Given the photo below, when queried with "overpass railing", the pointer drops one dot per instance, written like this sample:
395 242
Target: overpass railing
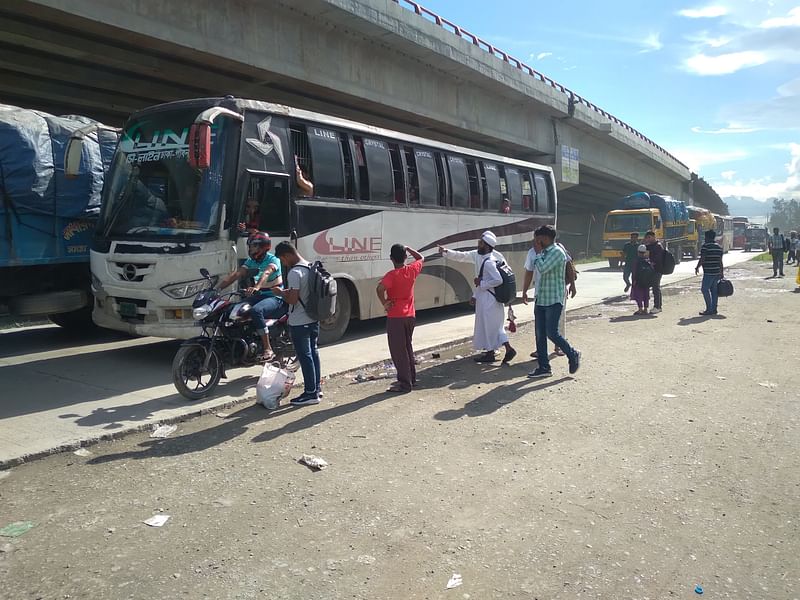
431 16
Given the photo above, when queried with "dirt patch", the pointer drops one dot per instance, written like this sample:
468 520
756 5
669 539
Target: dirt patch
669 460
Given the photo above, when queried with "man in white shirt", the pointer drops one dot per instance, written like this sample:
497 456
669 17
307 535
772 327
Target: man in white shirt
489 333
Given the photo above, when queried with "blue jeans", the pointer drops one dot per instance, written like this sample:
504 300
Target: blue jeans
709 289
271 307
546 326
304 338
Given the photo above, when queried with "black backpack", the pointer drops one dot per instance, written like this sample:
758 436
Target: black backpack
645 274
667 263
506 291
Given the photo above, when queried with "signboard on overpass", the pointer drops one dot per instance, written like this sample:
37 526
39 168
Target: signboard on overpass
570 164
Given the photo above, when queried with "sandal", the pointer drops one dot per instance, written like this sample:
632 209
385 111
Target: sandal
268 356
397 388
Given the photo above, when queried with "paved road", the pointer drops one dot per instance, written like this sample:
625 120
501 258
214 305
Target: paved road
59 392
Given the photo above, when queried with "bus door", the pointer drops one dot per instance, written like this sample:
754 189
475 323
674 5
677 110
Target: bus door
267 207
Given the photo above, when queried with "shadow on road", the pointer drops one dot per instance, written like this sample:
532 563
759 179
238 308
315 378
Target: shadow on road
626 318
699 319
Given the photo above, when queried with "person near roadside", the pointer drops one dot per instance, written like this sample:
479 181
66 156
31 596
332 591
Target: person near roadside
640 293
303 329
267 281
396 293
551 263
489 333
713 270
775 244
655 253
630 252
794 244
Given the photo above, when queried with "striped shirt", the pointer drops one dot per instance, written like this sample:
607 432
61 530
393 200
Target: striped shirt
711 255
551 263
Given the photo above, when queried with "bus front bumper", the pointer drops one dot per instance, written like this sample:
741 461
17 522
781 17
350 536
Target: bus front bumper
137 318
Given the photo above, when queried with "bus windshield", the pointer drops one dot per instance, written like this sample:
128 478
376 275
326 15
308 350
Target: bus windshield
151 190
628 223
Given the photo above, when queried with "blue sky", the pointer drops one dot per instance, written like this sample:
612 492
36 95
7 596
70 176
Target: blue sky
716 83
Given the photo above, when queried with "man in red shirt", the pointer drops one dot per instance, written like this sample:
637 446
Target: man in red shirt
396 293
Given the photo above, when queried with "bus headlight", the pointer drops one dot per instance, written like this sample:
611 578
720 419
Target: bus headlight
188 289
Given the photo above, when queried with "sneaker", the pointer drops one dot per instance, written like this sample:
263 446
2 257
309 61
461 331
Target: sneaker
486 357
574 365
305 400
655 310
510 354
539 373
627 288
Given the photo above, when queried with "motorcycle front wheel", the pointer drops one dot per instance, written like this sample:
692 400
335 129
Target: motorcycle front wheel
191 379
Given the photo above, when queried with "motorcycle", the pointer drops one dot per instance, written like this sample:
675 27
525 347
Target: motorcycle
229 339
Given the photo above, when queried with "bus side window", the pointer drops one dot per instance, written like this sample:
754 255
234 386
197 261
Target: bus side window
379 168
544 200
492 177
411 171
441 179
514 187
272 195
397 174
301 151
363 176
326 153
527 192
428 178
459 186
349 170
475 199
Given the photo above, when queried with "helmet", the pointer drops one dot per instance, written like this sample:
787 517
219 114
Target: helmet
258 244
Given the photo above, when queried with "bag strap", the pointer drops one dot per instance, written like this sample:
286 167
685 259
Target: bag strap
299 299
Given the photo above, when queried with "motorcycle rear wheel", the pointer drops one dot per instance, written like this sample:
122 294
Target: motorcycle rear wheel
190 379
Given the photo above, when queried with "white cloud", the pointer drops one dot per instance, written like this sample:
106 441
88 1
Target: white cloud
764 188
791 20
706 12
697 158
728 175
543 55
724 64
725 130
780 112
651 43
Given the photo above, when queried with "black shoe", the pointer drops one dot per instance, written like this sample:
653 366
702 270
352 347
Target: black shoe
627 287
575 364
305 399
486 357
539 373
510 354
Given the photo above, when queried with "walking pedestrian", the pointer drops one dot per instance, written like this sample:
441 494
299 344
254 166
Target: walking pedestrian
655 253
775 243
489 333
630 252
711 261
551 263
303 329
643 275
794 245
396 293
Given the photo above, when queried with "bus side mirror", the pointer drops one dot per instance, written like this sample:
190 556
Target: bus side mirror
200 146
72 157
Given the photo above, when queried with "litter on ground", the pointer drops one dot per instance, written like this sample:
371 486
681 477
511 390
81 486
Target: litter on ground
156 520
17 528
163 431
455 581
313 462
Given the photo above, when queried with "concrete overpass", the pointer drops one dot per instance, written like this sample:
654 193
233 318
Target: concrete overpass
390 63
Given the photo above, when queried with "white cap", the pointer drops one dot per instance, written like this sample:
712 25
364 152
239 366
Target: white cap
489 238
642 248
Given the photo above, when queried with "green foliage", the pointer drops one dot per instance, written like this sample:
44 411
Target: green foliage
785 214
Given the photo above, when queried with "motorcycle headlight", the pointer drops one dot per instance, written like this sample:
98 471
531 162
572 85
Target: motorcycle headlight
201 312
188 289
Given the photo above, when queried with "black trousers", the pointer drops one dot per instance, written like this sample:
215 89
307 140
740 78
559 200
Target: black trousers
399 331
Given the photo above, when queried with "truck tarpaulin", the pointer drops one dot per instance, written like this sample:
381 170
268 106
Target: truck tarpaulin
32 181
672 210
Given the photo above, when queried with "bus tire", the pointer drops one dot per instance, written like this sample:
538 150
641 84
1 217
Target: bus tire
613 263
333 329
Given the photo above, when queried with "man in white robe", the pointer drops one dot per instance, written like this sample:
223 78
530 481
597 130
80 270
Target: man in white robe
489 333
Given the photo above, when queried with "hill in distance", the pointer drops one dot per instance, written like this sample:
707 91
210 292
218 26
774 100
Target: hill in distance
745 206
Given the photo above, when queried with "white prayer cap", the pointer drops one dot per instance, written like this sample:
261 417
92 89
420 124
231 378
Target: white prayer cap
489 238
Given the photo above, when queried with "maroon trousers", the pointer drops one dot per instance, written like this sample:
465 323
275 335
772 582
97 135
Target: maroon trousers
400 330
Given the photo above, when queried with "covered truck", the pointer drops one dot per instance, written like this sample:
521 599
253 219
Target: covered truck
640 212
47 219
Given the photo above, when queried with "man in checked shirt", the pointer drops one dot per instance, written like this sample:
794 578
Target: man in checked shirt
551 263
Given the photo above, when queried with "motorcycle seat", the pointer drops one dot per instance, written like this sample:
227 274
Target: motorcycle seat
281 321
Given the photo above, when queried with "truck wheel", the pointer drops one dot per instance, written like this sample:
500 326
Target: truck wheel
613 263
77 320
332 330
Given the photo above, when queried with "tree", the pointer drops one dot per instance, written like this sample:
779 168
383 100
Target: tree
785 214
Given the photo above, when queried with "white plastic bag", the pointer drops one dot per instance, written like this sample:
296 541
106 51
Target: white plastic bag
273 385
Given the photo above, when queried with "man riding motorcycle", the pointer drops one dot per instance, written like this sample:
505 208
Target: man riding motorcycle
266 305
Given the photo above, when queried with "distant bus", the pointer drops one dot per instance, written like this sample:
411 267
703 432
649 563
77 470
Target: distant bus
183 171
739 227
724 229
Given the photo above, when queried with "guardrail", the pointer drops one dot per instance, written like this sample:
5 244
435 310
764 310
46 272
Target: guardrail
462 33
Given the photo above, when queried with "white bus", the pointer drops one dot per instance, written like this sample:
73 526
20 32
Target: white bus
724 229
183 171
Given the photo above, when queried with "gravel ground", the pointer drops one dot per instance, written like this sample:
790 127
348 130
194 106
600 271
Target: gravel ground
670 460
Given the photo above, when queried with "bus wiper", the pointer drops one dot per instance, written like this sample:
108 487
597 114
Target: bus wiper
126 194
